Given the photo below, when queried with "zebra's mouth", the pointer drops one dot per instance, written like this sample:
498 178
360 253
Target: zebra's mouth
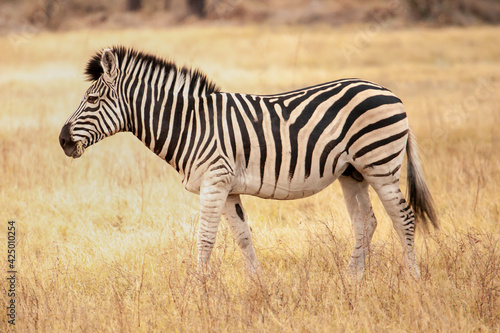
74 149
79 149
71 148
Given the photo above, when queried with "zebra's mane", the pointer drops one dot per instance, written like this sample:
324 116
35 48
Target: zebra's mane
94 70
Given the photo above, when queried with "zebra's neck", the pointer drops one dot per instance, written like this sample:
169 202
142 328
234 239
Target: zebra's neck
161 101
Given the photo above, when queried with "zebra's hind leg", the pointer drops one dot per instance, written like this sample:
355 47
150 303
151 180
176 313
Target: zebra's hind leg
237 220
363 220
401 214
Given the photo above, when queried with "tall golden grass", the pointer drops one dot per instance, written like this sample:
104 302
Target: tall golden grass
107 243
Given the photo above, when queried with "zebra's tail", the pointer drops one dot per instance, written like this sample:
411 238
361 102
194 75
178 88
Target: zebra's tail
419 197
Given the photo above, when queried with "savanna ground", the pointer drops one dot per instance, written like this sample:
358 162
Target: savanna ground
107 243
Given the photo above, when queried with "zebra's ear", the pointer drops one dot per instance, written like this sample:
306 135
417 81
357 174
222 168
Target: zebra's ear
109 65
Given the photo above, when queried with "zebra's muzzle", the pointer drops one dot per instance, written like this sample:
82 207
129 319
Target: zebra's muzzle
71 148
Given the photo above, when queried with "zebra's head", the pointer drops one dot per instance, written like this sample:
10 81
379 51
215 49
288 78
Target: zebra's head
98 115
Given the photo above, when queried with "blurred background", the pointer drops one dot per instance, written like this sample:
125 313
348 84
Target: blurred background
16 15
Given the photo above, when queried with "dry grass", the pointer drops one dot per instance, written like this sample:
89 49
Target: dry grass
107 243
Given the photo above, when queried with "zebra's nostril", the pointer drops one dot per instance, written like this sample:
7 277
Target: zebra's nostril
62 142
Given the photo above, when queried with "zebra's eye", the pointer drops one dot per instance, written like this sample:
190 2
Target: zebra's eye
92 99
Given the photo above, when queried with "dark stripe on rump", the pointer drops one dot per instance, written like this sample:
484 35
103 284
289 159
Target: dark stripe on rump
383 160
375 126
390 173
377 144
367 104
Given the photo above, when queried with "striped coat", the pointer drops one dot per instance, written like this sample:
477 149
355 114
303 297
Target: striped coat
284 146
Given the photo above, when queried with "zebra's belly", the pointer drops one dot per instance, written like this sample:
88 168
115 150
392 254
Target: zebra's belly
284 189
250 181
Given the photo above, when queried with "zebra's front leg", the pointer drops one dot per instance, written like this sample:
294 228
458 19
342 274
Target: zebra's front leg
363 220
213 195
237 220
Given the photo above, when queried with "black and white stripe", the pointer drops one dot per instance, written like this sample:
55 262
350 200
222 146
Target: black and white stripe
282 146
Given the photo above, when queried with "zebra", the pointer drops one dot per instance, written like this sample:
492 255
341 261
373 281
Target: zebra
284 146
